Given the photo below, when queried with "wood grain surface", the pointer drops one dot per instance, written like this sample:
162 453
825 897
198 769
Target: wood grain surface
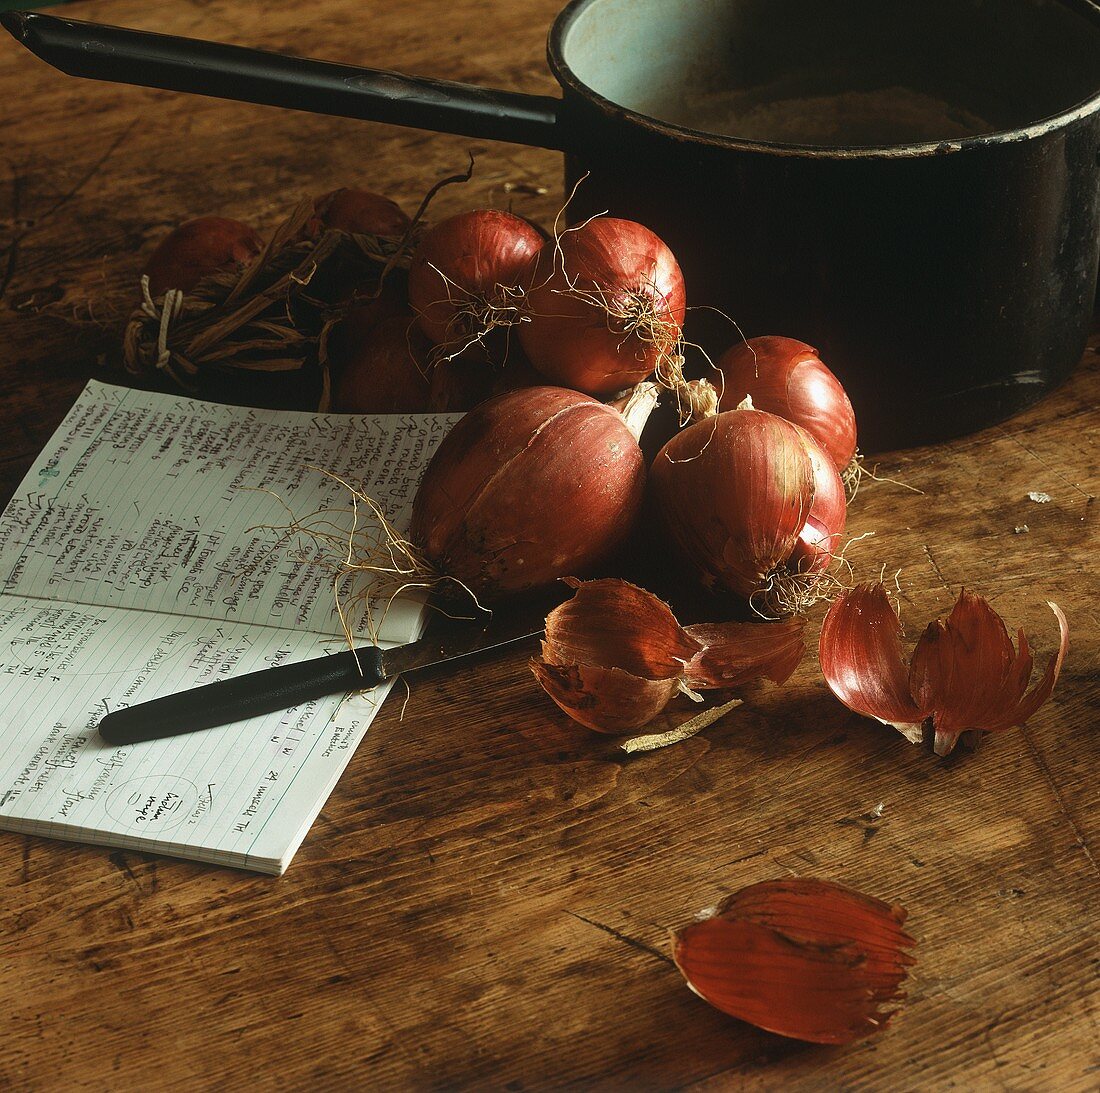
486 898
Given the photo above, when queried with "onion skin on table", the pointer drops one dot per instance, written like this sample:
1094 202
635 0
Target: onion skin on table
529 487
787 377
803 958
861 658
605 306
964 674
732 493
736 652
614 655
197 249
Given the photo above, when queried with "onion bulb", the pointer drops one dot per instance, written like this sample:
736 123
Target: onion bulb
733 492
197 249
381 366
461 384
467 277
605 307
529 487
360 212
788 378
820 536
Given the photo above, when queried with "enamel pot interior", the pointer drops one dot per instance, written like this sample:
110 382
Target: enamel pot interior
834 74
913 188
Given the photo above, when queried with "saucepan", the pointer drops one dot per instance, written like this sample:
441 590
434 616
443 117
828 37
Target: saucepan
913 187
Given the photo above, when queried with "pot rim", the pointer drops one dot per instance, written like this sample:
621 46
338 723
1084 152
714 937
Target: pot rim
569 80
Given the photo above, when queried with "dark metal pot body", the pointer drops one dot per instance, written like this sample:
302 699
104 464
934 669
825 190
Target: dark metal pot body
949 282
947 291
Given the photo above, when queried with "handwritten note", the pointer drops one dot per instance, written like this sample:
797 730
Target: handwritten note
160 503
134 563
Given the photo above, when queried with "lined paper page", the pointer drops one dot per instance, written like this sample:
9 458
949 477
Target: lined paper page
146 501
243 794
130 569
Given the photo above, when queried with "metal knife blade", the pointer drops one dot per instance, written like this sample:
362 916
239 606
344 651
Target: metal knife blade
451 646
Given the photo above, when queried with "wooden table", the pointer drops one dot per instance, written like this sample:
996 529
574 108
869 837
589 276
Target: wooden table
486 898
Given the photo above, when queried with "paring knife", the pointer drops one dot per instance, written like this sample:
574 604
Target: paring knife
288 685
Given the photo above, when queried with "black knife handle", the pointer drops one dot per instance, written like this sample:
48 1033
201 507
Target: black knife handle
244 696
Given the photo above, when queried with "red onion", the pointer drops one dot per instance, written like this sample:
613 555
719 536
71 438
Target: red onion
461 384
361 212
788 378
733 492
529 487
605 307
378 367
366 309
467 277
819 538
198 248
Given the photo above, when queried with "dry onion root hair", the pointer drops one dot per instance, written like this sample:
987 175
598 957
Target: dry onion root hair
370 561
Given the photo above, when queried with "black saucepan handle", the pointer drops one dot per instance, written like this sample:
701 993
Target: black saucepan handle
250 75
249 695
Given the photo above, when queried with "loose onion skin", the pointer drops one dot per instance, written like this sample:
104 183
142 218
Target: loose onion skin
460 271
788 378
800 957
820 537
379 369
605 308
532 486
361 212
733 492
198 248
964 672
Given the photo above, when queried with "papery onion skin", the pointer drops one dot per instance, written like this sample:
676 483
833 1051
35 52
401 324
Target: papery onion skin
574 341
606 700
737 652
529 487
361 212
964 674
787 377
614 623
380 371
861 659
802 958
197 249
967 674
614 655
462 265
821 535
732 492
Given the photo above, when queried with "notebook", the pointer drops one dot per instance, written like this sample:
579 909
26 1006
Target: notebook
136 560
